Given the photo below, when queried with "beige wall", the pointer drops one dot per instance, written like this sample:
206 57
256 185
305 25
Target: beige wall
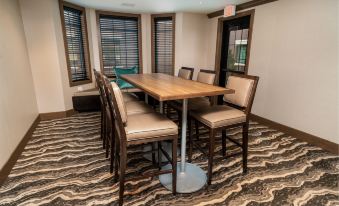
47 55
294 51
18 107
190 43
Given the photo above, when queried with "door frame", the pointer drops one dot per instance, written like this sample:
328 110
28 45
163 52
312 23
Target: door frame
220 35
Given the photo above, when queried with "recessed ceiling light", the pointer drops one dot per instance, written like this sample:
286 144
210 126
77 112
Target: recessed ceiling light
128 4
200 2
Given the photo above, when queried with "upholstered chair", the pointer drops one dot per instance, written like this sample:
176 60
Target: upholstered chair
218 118
139 129
186 73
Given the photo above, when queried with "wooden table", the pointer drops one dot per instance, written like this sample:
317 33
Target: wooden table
165 87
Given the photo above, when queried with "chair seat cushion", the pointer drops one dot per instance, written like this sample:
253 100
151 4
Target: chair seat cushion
219 116
129 97
151 125
137 107
194 103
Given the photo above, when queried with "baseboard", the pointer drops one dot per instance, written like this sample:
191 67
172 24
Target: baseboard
311 139
6 169
56 115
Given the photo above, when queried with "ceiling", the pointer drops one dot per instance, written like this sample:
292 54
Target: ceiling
157 6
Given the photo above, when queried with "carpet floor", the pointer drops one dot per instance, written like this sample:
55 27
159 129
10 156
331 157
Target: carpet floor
64 164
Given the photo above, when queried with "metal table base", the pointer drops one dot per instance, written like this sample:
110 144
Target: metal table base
190 177
191 180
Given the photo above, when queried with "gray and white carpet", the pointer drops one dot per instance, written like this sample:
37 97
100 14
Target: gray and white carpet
64 164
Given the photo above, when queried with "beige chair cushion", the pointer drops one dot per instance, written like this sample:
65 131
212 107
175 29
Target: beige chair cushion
219 116
185 74
207 78
242 88
145 126
120 101
134 90
129 97
137 107
89 92
199 102
194 103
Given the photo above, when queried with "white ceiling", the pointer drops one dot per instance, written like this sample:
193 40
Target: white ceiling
157 6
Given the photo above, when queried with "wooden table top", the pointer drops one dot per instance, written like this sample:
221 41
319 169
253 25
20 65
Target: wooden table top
165 87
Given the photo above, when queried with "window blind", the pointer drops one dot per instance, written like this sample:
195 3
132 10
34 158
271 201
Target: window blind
163 45
77 45
119 42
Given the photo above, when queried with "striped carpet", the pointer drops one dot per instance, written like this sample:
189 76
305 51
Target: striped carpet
64 164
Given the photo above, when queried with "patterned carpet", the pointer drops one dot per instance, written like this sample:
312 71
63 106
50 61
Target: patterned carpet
64 164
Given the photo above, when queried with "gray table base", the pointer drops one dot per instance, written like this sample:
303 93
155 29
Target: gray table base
191 180
190 177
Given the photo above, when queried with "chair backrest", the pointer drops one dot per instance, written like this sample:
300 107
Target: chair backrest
186 73
118 109
245 87
99 82
206 76
115 97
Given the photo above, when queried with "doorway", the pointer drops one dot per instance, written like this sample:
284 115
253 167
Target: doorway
233 45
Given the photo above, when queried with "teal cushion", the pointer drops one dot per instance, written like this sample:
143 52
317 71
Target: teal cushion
120 71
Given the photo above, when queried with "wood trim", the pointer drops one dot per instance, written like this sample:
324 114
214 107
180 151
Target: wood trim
303 136
241 7
87 57
218 52
153 16
56 115
118 14
6 169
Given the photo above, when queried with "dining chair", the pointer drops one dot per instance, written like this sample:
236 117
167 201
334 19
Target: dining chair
130 99
136 130
218 118
186 73
132 107
103 107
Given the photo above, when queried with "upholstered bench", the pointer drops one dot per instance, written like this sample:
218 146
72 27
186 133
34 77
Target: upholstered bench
87 100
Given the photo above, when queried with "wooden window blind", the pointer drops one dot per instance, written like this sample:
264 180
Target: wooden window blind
163 29
120 40
76 43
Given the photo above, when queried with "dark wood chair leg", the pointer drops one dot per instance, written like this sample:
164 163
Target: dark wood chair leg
122 177
190 131
210 156
174 166
112 136
223 142
101 124
107 137
103 130
245 147
159 155
197 130
153 153
116 168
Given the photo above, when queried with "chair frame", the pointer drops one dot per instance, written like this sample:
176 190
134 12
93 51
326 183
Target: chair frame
103 114
121 145
212 132
190 69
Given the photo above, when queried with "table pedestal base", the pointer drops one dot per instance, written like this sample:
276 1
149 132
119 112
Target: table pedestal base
193 179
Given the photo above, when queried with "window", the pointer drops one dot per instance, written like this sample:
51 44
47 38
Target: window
163 39
73 20
120 41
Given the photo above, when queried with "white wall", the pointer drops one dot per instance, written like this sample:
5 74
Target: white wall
190 45
44 36
18 107
294 52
